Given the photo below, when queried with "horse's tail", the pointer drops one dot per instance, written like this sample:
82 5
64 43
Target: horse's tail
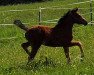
19 24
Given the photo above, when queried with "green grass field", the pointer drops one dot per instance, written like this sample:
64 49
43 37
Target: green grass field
49 60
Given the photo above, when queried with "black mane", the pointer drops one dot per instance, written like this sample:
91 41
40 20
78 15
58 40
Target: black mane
61 20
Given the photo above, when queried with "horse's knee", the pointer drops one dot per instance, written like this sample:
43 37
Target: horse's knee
79 44
23 45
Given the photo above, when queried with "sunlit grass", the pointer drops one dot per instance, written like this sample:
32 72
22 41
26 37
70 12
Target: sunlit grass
49 60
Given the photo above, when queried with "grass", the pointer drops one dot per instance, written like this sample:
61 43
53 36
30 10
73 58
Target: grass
49 60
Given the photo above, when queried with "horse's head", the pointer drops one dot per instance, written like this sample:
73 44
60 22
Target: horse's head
77 18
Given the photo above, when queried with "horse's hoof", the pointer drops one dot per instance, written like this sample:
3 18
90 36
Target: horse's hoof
29 59
68 61
81 59
82 55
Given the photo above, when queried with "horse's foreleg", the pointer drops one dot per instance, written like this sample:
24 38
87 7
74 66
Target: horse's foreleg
66 50
25 46
80 46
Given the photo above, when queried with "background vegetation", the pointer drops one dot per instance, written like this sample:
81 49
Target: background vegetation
7 2
49 60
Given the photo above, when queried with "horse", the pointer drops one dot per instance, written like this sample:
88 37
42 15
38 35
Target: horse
57 36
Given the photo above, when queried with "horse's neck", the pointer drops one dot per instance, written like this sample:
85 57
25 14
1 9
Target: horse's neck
65 28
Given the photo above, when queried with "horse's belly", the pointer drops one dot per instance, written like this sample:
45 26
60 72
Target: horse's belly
52 44
56 43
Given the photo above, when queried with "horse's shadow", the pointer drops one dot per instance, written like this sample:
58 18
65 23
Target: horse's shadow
37 65
34 65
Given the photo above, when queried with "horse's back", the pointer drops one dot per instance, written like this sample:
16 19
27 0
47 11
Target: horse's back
37 33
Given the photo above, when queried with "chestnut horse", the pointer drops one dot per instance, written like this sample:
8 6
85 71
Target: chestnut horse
58 36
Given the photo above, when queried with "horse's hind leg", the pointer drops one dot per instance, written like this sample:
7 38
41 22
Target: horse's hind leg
25 46
35 48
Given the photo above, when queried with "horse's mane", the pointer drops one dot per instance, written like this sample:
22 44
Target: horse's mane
61 20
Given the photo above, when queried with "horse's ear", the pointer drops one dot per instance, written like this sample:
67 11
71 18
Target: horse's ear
75 10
